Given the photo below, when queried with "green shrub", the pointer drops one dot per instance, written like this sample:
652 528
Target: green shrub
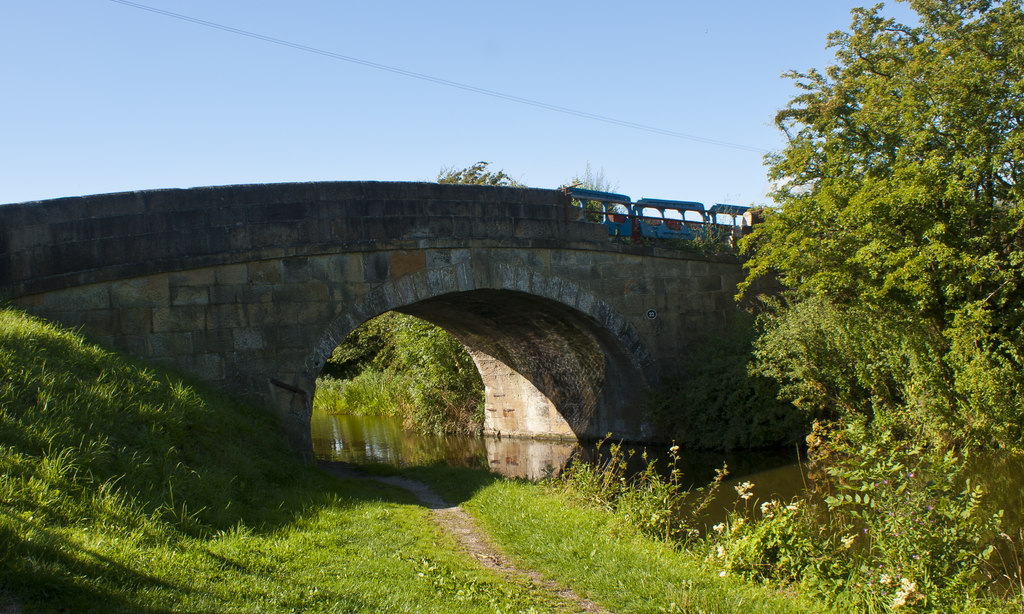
892 526
399 365
720 402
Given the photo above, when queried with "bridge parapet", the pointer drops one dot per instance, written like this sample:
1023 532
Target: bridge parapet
71 241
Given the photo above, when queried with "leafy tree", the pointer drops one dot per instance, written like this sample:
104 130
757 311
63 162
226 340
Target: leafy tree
477 174
901 201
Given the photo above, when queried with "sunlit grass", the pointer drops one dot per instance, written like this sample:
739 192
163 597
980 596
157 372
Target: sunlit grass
597 554
127 489
371 393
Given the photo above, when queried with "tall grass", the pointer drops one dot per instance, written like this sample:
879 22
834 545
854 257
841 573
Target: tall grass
371 393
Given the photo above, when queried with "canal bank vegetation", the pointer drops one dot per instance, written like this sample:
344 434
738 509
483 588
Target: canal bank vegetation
398 365
127 489
900 241
124 488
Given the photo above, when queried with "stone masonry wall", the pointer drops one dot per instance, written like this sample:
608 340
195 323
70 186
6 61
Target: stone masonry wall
251 287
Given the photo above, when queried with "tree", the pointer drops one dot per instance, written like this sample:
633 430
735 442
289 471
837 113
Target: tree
901 200
592 180
477 174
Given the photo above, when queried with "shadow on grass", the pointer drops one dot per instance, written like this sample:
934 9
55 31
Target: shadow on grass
48 568
455 485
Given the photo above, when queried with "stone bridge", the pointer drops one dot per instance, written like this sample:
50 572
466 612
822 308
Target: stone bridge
251 287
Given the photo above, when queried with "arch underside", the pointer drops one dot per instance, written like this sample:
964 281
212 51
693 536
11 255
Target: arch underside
548 370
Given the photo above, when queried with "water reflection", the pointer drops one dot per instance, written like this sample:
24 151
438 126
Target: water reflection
381 439
527 458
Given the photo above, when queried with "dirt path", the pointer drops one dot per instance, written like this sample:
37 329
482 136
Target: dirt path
456 522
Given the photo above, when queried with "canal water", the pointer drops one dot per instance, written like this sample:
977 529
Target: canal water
380 439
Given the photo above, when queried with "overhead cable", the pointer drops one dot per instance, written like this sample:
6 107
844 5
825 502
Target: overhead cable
445 82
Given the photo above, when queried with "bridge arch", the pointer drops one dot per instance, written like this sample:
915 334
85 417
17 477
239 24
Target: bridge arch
556 361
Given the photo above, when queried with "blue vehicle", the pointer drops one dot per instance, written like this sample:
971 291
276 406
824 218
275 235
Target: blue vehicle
664 226
616 209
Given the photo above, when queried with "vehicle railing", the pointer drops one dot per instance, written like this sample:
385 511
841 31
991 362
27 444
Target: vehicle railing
656 218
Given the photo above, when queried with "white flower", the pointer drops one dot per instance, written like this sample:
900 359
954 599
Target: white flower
719 527
907 594
744 490
848 541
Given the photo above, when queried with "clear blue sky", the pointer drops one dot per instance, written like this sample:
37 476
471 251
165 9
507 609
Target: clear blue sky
102 97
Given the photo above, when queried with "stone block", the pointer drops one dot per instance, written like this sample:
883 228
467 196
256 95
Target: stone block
213 341
134 345
225 316
273 235
709 283
402 262
231 274
530 229
81 298
319 268
376 267
134 320
96 322
186 318
170 344
225 295
208 367
247 339
266 272
442 281
194 277
26 237
190 295
150 291
464 277
316 314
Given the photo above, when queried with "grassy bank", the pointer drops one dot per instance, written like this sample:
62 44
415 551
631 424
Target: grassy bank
597 554
125 489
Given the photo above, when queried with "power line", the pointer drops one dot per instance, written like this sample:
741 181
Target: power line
445 82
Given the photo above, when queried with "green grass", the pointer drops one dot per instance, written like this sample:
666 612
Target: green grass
126 489
596 553
371 393
612 564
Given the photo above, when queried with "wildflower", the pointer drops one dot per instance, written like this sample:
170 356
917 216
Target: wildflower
674 449
885 579
767 507
744 490
719 527
848 541
793 506
907 594
721 574
720 551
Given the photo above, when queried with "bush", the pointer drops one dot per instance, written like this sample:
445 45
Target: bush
721 403
892 526
399 365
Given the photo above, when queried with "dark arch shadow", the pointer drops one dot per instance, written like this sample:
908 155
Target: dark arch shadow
555 360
